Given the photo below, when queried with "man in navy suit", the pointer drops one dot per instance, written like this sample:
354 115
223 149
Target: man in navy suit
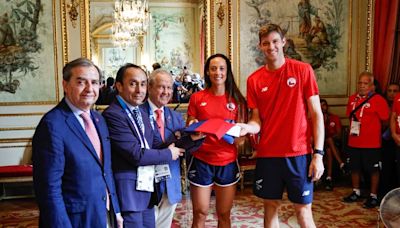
169 190
72 173
132 138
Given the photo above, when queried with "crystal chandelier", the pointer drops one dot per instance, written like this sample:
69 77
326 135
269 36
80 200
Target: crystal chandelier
131 19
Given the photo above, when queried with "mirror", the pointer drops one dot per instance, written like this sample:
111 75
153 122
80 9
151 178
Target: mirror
172 39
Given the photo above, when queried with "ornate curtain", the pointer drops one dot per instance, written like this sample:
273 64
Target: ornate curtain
384 33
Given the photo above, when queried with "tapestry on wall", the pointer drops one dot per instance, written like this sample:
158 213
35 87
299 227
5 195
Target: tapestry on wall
27 52
316 31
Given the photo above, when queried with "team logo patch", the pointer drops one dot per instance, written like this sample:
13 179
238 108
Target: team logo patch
291 82
230 106
306 193
203 104
265 89
367 105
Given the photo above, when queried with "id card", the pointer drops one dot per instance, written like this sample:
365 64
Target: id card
162 172
145 178
355 127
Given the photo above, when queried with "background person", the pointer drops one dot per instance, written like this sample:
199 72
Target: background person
366 110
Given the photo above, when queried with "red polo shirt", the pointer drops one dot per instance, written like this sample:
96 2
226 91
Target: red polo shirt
281 98
370 117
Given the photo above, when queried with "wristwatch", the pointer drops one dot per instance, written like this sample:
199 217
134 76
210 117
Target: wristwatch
321 152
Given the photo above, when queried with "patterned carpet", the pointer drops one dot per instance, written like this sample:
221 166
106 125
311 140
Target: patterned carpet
328 209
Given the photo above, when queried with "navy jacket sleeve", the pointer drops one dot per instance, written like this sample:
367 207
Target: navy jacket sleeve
126 143
49 162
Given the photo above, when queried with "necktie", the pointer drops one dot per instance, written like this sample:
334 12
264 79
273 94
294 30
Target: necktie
160 123
91 132
138 117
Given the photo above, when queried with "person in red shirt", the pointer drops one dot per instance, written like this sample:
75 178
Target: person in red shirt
214 165
333 131
366 110
280 95
395 130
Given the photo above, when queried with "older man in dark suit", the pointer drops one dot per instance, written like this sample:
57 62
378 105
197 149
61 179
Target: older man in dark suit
132 140
72 174
169 124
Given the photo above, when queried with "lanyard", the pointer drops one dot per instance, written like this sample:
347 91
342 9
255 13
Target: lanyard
362 106
143 141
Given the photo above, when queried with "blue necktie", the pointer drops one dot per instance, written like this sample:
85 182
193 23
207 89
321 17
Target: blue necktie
138 118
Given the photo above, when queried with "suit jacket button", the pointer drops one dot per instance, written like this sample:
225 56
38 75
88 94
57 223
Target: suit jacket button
104 198
104 174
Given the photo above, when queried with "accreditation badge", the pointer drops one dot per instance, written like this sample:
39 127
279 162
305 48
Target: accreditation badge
162 172
145 178
355 127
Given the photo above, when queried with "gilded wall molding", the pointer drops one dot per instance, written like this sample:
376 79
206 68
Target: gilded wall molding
22 114
237 46
19 146
56 53
64 32
17 128
220 12
16 140
229 47
73 11
85 33
212 27
370 37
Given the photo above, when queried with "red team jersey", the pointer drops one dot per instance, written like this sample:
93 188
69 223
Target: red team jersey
281 98
370 117
332 125
204 105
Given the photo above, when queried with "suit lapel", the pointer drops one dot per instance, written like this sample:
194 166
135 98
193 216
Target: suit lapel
77 129
168 122
130 124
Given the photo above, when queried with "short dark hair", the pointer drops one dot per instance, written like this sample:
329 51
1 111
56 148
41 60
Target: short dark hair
67 70
268 28
156 66
323 101
121 71
110 81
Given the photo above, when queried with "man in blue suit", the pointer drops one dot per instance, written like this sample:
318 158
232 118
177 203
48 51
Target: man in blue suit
71 156
132 140
169 124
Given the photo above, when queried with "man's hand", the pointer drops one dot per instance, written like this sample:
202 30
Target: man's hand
316 168
120 220
196 136
175 151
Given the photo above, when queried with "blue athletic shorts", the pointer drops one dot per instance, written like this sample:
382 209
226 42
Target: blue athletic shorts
202 174
273 175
